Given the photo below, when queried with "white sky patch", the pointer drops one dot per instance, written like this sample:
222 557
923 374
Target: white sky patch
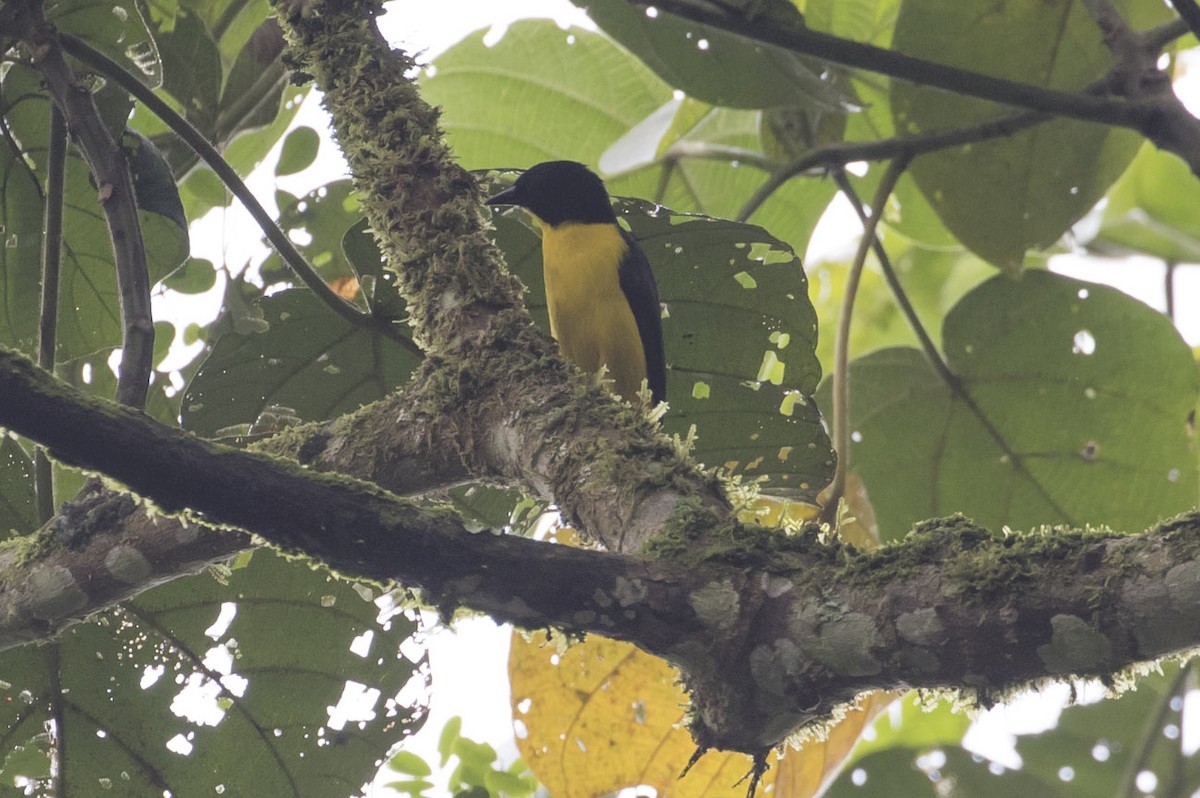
357 705
224 618
179 744
150 676
198 701
361 645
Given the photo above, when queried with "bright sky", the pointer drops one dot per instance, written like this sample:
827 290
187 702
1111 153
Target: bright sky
469 662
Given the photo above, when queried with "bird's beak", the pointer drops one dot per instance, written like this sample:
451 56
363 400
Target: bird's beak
506 197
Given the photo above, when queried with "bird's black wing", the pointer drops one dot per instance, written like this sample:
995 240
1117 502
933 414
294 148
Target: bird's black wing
641 292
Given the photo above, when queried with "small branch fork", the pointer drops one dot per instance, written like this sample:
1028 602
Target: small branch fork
1153 110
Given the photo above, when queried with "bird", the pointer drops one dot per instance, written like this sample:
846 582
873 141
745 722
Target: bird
600 290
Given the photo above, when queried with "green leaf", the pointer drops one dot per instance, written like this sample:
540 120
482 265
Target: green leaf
233 22
1097 744
1085 392
20 252
410 786
518 102
449 735
410 763
1148 210
308 364
1005 196
324 216
243 671
915 725
192 75
737 308
474 754
256 85
115 28
715 66
884 774
88 287
195 276
18 500
299 151
499 782
153 183
243 103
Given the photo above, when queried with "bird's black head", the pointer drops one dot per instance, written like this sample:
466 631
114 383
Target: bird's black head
558 192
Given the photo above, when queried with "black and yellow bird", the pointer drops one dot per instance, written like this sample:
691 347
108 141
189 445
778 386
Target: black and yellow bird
601 294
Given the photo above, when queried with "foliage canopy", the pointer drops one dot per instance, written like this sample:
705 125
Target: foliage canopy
982 379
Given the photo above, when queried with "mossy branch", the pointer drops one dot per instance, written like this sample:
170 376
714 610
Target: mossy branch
771 631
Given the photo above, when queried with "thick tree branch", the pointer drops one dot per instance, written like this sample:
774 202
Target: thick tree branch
1189 12
771 631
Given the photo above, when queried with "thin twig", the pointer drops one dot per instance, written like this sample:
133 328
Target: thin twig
1189 12
837 155
704 151
889 273
56 166
1169 289
195 139
114 183
953 382
841 354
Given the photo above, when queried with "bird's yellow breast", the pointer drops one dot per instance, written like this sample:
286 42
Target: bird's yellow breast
589 315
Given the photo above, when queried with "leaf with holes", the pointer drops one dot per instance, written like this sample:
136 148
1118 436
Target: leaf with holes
718 66
1078 412
1005 196
740 338
307 364
285 676
18 508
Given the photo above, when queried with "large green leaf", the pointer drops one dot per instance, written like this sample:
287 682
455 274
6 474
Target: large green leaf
20 255
1099 744
933 280
90 317
18 502
715 66
1005 196
1092 750
210 686
538 94
223 71
1151 210
931 773
304 362
1084 396
739 334
114 27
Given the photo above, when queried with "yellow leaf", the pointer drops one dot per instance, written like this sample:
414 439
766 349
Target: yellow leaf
602 715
